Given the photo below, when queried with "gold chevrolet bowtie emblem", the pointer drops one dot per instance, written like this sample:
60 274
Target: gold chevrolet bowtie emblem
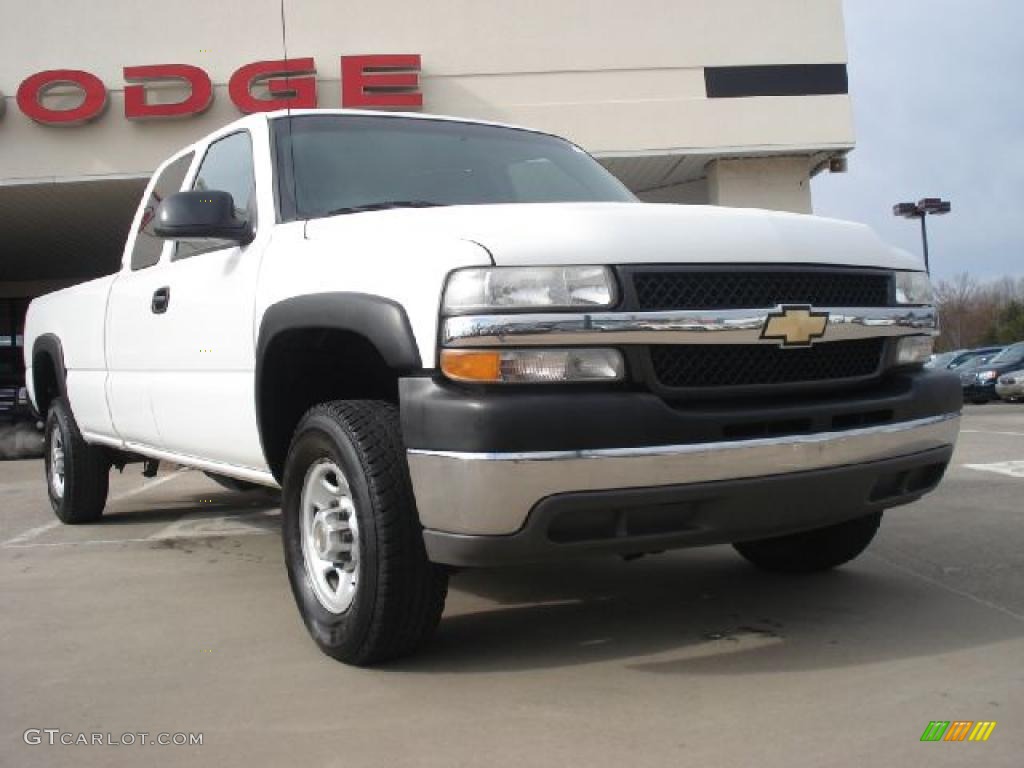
795 326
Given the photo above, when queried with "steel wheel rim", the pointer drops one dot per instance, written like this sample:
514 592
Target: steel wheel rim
330 535
57 462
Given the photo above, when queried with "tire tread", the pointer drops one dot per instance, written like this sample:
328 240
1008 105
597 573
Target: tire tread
88 481
411 590
811 551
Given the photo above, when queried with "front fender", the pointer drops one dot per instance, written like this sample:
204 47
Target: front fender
381 321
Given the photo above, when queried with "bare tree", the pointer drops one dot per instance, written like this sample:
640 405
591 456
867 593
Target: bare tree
954 300
972 313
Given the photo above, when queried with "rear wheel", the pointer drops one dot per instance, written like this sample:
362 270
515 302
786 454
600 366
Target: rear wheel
352 539
810 551
77 474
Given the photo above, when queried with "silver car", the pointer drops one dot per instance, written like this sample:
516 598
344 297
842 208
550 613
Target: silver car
1010 386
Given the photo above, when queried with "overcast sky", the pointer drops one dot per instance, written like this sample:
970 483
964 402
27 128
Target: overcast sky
938 106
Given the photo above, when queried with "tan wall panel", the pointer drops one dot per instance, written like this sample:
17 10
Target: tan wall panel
780 183
618 78
456 36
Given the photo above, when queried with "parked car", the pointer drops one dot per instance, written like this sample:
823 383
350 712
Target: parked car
14 405
969 356
1010 386
967 370
982 388
457 343
943 359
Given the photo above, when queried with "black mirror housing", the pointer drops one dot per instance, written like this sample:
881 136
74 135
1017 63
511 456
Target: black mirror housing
201 214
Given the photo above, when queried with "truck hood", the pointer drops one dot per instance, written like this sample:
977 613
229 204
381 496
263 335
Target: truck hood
621 233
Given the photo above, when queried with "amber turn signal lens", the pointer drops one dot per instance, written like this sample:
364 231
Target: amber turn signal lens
471 365
533 366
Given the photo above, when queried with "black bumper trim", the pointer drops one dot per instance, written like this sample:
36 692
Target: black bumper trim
979 392
640 520
440 416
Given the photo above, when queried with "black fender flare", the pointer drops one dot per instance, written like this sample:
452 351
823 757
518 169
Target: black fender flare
381 321
48 345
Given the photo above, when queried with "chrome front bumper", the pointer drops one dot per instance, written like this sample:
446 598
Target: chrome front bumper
492 494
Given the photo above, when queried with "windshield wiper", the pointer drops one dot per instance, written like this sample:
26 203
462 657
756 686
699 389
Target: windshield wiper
384 206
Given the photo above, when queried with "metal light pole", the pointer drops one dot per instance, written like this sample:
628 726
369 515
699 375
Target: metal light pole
928 206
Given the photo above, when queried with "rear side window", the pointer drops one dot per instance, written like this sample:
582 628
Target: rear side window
226 167
146 251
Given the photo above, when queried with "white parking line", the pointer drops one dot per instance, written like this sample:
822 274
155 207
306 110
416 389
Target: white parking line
1008 468
188 527
989 432
942 585
39 530
149 485
51 544
30 534
155 539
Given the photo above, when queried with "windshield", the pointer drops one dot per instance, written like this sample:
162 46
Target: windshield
976 362
972 357
941 360
350 163
1012 355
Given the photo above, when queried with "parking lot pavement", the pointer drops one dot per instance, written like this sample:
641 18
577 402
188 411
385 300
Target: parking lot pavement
174 615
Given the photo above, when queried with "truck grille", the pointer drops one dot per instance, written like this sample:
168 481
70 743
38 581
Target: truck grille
750 289
699 366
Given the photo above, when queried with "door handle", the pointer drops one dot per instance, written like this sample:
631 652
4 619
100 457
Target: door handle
161 298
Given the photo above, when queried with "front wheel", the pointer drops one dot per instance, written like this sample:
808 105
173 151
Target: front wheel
810 551
353 544
77 474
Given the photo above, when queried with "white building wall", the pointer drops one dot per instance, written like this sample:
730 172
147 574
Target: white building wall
621 79
626 80
748 182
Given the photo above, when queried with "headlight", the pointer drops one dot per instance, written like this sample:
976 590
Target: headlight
473 290
914 350
913 288
532 366
984 376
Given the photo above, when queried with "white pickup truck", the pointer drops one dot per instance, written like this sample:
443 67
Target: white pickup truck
454 343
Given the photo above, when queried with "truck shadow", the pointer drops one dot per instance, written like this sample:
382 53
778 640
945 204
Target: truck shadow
196 507
704 612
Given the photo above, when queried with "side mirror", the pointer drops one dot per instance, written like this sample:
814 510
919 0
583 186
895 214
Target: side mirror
200 214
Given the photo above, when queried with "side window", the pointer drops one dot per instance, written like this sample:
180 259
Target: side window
226 167
147 247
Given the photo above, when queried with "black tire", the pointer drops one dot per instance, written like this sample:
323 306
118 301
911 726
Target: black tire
232 484
810 551
86 469
400 594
